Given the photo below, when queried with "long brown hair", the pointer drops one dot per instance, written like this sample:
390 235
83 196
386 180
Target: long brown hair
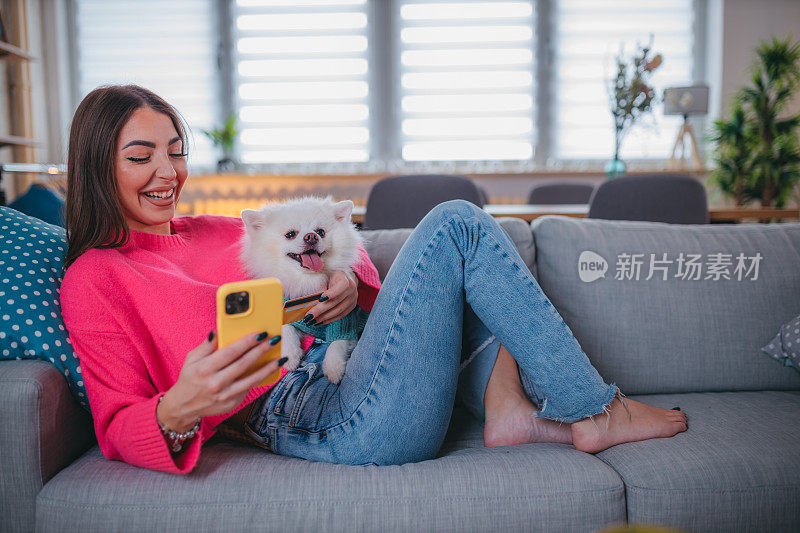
93 213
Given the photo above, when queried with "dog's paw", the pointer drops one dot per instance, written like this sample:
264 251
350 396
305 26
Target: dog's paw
290 348
293 354
336 357
333 368
293 361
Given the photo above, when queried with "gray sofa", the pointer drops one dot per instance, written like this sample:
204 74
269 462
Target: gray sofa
669 340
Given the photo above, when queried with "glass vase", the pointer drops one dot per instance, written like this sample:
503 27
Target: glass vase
615 168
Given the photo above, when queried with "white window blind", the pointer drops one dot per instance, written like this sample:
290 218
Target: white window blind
301 79
588 36
467 80
167 47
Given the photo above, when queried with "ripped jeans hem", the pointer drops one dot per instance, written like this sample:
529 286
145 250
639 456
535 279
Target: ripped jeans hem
586 412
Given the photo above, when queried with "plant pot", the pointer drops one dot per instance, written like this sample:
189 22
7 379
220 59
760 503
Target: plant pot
615 168
226 164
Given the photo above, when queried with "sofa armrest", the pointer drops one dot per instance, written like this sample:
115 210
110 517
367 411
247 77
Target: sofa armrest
42 430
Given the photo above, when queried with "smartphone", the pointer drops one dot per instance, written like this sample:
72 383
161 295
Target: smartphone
251 306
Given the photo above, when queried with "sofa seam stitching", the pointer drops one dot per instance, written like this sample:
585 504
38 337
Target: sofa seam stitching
749 489
66 503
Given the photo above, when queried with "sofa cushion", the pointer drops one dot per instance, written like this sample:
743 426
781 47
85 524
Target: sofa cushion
547 487
689 320
735 469
31 327
383 245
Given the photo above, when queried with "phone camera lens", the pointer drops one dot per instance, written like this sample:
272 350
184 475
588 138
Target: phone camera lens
237 302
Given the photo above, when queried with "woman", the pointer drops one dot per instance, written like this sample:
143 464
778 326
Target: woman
138 301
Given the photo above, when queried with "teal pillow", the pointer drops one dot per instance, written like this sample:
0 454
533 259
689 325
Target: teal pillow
31 327
42 203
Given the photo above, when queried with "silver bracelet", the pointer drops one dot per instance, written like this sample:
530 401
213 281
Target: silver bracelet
177 439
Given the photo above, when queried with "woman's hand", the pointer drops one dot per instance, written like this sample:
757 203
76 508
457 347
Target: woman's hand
211 381
342 295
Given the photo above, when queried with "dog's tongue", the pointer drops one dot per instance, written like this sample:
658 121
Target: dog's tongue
311 261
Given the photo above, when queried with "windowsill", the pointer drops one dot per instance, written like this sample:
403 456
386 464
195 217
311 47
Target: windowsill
478 169
565 173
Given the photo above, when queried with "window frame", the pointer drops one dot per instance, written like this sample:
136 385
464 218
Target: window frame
384 98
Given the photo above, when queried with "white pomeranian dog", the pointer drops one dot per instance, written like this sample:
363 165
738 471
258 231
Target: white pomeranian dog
301 242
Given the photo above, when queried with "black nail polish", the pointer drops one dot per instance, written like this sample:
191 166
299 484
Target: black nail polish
323 298
676 408
282 361
275 340
312 323
261 336
211 336
308 318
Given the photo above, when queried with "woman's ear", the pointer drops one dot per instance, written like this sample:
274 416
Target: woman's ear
342 210
253 219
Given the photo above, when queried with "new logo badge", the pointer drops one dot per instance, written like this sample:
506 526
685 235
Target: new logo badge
591 266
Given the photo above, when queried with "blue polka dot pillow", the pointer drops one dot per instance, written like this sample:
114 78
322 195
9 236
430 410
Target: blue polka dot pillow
31 327
785 347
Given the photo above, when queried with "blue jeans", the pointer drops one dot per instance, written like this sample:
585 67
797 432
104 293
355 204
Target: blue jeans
456 290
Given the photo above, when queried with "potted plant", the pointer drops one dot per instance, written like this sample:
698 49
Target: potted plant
733 138
225 138
757 153
631 97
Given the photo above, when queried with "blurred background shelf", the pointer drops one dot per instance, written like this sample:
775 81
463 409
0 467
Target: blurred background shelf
19 114
14 140
9 51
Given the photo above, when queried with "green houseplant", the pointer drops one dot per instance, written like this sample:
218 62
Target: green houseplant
757 153
225 138
630 97
734 165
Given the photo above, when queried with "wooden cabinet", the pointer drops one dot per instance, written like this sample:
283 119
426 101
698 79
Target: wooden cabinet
15 57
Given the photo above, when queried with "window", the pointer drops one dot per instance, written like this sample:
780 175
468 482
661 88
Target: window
367 85
588 36
467 80
178 66
301 78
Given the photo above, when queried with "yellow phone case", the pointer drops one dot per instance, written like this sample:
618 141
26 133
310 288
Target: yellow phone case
264 313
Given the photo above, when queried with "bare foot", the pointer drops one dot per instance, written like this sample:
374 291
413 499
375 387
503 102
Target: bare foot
645 422
511 421
509 413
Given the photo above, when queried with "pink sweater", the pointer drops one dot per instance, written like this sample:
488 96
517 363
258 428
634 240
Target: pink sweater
133 313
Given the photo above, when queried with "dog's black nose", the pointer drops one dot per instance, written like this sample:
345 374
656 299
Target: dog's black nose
311 239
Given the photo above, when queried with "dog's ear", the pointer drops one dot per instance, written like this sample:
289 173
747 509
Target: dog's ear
253 219
342 210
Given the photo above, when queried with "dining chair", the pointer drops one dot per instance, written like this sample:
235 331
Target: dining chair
561 193
676 199
484 196
402 201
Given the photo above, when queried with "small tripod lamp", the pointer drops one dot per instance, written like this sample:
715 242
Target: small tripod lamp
685 101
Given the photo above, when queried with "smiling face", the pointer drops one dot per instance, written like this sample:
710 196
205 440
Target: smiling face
150 169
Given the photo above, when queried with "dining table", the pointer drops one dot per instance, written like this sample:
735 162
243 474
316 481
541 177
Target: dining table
529 212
